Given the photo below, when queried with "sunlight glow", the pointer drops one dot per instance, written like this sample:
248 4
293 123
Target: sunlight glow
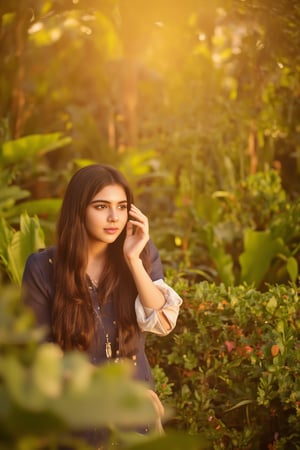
36 27
201 37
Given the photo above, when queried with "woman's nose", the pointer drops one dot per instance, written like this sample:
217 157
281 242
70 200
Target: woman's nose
113 216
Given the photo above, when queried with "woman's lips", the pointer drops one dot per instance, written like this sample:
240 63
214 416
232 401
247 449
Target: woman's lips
111 230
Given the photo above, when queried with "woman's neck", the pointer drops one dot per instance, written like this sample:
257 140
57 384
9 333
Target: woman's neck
96 262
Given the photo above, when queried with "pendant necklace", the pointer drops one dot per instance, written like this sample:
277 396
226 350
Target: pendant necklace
108 347
93 286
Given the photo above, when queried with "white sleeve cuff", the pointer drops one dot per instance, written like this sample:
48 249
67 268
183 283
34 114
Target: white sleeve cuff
150 319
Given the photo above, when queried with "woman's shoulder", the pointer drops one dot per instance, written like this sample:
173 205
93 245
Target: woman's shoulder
42 258
38 273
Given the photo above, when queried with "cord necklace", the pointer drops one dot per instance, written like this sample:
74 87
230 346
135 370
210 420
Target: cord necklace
96 308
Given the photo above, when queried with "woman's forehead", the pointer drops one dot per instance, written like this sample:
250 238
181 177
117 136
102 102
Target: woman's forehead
113 193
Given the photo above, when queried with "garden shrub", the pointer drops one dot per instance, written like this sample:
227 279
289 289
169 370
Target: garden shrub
46 396
248 234
232 365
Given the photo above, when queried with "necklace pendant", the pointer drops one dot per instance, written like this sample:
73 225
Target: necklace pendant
108 350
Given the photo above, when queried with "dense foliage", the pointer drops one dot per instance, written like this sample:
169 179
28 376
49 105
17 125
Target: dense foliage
232 370
44 395
190 101
198 104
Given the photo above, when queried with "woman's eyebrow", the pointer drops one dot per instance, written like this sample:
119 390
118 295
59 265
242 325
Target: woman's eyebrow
107 202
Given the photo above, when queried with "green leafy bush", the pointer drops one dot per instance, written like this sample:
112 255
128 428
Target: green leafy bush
235 364
16 246
250 234
45 396
26 181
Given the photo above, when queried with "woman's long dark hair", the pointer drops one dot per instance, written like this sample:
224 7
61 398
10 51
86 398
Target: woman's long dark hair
73 323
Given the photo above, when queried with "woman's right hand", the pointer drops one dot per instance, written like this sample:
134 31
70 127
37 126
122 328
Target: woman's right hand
160 410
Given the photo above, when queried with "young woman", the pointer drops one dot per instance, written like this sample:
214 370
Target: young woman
101 287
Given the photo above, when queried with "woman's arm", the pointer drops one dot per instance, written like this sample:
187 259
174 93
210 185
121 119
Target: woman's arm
160 304
137 236
150 296
37 287
161 321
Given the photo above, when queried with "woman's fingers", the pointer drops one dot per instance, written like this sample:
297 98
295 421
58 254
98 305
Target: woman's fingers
137 233
160 410
138 219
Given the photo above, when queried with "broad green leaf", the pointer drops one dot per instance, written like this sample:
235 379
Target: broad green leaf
49 206
259 250
47 370
107 396
10 194
125 401
24 242
222 260
31 146
207 207
6 235
292 268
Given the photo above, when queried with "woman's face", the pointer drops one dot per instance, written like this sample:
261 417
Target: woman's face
106 215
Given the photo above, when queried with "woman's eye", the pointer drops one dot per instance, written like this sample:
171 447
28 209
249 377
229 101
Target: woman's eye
122 206
100 206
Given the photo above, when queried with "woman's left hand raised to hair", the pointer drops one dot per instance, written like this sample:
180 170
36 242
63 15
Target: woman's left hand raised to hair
137 234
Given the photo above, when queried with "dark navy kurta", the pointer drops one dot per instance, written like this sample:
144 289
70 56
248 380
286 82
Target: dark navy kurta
39 291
